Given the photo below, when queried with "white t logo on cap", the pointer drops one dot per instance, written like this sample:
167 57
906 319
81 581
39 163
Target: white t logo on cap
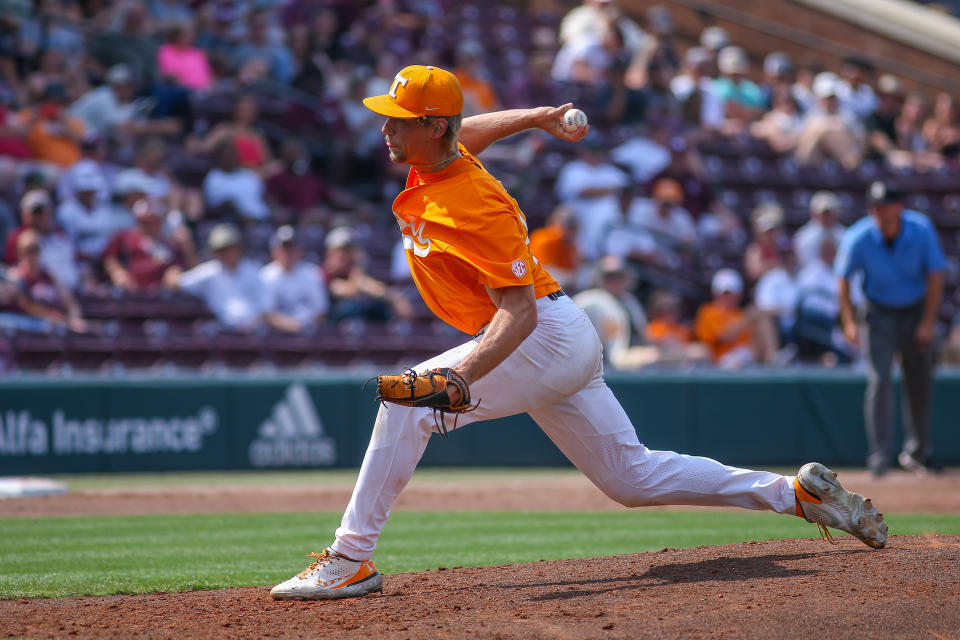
398 80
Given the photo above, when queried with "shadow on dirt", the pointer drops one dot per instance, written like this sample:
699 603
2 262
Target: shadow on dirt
714 570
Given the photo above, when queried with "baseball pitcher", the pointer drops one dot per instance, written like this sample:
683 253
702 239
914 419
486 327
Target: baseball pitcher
533 350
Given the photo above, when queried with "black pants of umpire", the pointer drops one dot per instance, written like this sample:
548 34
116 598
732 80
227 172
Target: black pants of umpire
888 331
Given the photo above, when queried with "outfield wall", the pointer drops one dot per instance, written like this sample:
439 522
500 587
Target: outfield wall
98 425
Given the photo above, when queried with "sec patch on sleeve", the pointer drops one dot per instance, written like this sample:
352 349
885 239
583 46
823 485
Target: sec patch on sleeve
519 268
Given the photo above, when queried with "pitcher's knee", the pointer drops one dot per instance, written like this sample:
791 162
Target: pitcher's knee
627 494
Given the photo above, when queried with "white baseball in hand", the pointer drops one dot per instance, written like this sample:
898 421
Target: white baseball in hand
573 119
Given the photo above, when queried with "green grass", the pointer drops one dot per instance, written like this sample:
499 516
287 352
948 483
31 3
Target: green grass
132 554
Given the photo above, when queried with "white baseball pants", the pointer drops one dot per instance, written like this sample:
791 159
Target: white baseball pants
556 375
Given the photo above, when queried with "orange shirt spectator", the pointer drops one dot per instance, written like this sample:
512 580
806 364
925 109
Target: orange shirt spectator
554 248
663 330
53 136
664 326
722 325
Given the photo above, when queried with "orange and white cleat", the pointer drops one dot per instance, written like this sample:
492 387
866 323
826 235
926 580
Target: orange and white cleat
822 501
331 576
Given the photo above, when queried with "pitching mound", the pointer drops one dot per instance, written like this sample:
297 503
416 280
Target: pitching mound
777 589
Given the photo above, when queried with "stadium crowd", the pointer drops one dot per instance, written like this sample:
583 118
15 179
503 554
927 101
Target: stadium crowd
160 152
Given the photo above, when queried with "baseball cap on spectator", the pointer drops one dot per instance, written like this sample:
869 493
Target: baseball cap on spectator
726 281
132 181
223 236
33 199
613 265
824 201
777 64
825 84
284 236
419 91
880 192
696 56
732 60
714 38
767 217
890 85
147 208
339 238
119 74
668 190
87 178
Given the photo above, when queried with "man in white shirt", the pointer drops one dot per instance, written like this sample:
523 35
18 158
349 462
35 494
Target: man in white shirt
591 17
84 216
229 284
296 297
664 216
234 189
590 186
823 226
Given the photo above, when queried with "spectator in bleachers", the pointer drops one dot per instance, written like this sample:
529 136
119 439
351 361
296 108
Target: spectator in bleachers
182 61
252 149
778 74
782 125
232 191
881 125
913 148
39 293
92 229
84 214
672 337
257 57
823 226
354 293
56 251
297 193
742 99
617 315
763 253
854 91
53 135
694 90
590 58
148 256
93 161
723 326
591 19
830 130
555 246
942 128
818 309
630 242
296 295
664 217
229 284
479 95
590 186
132 45
775 299
113 108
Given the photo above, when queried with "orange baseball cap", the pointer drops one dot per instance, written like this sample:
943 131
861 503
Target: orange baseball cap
419 91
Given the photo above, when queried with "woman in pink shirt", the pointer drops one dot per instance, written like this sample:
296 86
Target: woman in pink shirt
182 61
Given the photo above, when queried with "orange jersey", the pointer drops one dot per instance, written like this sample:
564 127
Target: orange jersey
712 321
461 231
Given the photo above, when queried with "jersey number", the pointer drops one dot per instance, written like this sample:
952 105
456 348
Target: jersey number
398 81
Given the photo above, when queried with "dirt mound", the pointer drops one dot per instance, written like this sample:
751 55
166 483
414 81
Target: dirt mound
776 589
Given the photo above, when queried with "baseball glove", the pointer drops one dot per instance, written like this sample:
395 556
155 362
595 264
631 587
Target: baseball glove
428 389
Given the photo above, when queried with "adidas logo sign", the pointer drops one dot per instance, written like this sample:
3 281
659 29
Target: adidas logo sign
292 436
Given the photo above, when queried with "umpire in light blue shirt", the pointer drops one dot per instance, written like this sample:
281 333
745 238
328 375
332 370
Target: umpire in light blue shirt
899 255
